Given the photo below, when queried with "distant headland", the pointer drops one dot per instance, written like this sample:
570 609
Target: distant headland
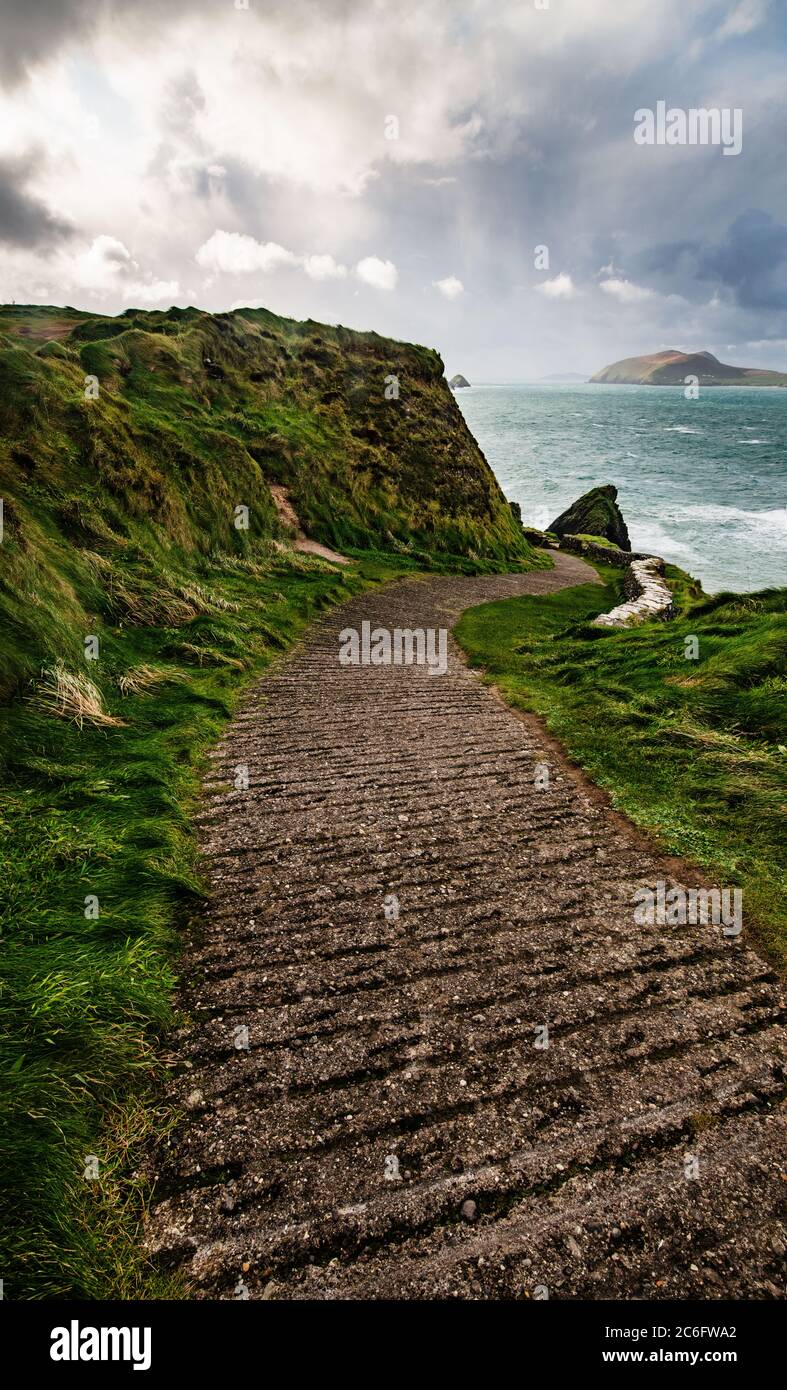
671 368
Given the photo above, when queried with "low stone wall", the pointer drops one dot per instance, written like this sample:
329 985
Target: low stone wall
536 537
647 592
604 555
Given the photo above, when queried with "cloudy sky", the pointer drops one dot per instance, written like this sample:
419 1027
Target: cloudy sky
394 165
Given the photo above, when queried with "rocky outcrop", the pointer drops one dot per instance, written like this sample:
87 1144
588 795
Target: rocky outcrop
458 381
596 513
647 596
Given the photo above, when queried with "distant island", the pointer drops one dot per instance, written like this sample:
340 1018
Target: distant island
458 381
672 367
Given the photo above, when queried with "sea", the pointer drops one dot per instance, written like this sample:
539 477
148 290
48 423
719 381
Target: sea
701 482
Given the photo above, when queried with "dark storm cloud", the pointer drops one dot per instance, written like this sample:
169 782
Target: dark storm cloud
24 220
750 261
32 29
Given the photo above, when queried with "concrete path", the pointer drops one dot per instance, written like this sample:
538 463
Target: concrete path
372 1105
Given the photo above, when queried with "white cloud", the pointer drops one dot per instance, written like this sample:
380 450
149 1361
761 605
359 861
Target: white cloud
450 286
98 269
381 275
625 291
106 268
156 292
235 253
323 267
559 287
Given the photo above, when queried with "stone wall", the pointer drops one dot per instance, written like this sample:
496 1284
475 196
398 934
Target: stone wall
647 594
605 555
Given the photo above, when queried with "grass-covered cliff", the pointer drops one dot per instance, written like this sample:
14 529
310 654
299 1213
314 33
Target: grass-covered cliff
127 446
120 525
196 415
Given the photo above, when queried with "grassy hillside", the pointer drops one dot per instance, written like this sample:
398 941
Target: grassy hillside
119 526
694 751
199 413
110 504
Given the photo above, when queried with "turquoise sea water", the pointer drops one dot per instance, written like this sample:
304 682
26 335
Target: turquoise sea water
703 483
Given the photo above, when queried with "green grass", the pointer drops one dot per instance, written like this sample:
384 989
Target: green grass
693 751
597 540
103 811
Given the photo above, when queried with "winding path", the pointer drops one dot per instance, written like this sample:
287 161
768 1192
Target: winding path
391 1123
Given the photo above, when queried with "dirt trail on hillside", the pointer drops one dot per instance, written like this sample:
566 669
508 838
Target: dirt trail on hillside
370 1109
300 541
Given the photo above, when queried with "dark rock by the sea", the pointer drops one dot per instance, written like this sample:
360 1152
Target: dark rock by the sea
596 513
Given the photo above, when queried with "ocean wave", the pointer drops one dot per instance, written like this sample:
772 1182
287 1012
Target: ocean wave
689 535
741 519
650 536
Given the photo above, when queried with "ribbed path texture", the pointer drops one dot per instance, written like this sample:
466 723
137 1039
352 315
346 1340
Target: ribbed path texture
371 1105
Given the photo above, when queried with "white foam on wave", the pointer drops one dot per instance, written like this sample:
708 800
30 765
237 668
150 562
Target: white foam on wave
651 538
680 429
694 537
756 525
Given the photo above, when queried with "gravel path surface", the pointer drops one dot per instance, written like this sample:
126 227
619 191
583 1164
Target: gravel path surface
371 1105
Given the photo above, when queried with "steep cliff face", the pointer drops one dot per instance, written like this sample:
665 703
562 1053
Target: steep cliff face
155 438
